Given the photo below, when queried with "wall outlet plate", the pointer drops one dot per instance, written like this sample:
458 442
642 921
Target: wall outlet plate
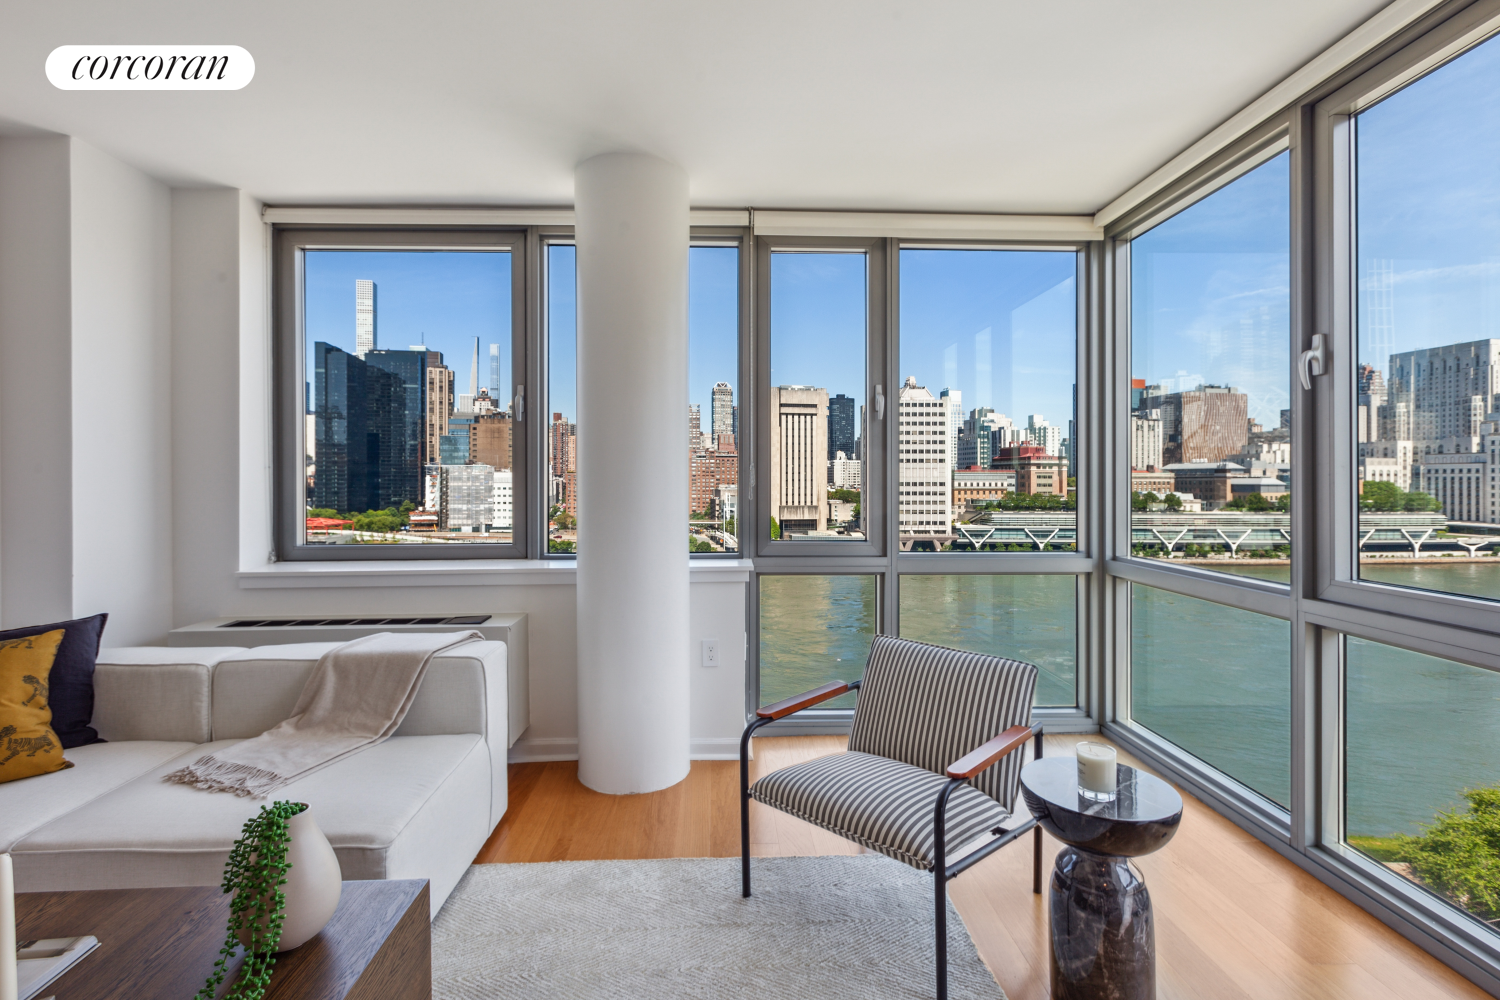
710 652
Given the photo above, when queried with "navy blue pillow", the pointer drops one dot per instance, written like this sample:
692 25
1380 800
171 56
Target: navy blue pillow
70 688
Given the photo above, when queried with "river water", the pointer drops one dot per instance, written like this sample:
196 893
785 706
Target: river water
1214 680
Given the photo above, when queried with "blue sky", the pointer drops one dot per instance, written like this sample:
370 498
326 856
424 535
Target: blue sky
1211 295
448 297
1429 210
998 325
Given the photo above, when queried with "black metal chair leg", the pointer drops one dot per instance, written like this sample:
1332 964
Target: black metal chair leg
1036 848
940 885
745 804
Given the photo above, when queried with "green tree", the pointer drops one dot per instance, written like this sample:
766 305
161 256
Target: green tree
322 512
1459 855
1284 503
729 527
556 545
1173 501
1378 496
775 528
844 496
696 544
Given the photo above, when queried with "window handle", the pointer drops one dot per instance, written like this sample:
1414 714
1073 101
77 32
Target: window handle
1313 361
880 402
518 404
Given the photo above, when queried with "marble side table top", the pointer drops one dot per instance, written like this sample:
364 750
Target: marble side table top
1141 818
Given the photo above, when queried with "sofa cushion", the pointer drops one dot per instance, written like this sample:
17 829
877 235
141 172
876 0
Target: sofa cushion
156 693
97 768
257 688
411 807
28 744
72 681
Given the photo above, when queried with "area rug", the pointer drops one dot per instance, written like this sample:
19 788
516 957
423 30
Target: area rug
678 929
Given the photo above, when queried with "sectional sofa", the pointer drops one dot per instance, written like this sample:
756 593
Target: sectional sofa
419 805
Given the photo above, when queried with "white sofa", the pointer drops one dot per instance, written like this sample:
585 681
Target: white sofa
419 805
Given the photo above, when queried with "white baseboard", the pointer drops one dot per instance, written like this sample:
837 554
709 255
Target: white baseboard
715 748
537 749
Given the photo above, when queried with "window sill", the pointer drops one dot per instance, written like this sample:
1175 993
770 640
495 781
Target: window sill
439 573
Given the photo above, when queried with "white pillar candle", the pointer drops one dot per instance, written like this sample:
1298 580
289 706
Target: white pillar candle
1096 768
8 987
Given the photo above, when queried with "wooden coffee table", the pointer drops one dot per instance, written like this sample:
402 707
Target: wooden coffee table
164 942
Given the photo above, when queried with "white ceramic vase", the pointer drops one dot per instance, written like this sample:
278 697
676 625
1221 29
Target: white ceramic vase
313 882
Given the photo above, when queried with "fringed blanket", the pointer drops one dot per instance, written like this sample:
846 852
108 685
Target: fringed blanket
356 697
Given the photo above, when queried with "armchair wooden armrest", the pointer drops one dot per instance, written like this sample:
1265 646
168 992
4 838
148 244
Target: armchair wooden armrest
806 699
976 761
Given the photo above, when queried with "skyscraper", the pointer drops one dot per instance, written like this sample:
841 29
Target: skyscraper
1447 391
439 405
1205 424
799 458
722 418
841 425
411 368
495 389
365 458
474 373
925 499
364 316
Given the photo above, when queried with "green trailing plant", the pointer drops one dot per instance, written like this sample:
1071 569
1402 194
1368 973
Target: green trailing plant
255 873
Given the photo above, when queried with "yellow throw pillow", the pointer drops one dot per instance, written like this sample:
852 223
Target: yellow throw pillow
28 745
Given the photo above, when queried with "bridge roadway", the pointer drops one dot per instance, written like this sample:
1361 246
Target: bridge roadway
1232 529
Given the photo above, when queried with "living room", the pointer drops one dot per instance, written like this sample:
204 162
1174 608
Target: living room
1059 383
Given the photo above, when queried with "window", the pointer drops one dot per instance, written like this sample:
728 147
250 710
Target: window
815 629
1209 402
562 394
1430 816
713 394
815 419
1427 430
986 405
1030 618
1217 682
400 438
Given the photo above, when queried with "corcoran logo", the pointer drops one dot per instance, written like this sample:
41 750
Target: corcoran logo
150 67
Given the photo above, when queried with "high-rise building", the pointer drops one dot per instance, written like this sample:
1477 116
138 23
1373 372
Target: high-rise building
454 446
465 496
711 468
695 427
1044 435
490 440
841 426
364 316
981 435
925 504
410 368
722 418
563 446
953 400
439 404
365 455
844 473
497 391
474 372
1146 440
1447 392
1208 423
799 456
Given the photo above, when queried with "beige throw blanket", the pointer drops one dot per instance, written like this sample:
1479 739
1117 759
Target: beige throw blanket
356 697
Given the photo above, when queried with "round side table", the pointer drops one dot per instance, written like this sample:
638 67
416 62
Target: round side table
1103 938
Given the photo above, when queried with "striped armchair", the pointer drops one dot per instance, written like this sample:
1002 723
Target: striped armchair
931 764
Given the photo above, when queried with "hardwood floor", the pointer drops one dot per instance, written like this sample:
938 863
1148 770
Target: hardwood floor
1234 920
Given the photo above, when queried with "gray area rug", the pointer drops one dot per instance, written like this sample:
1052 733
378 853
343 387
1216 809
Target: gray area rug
821 927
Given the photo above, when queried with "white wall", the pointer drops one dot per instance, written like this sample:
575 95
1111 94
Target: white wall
85 463
121 384
36 443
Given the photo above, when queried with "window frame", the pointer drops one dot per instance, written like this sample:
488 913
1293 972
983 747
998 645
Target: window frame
289 243
887 562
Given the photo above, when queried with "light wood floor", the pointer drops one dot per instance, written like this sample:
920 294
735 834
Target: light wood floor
1234 920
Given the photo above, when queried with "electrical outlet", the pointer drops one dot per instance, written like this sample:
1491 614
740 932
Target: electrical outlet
710 652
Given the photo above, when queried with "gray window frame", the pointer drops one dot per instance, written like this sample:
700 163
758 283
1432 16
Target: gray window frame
1325 602
289 242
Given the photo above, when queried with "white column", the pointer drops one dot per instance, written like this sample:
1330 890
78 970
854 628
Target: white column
633 699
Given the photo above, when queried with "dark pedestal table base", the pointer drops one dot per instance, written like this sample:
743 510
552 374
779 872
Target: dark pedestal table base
1103 938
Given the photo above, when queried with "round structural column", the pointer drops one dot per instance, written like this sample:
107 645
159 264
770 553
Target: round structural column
633 704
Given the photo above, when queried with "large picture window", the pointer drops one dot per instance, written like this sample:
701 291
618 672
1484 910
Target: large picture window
398 358
1209 400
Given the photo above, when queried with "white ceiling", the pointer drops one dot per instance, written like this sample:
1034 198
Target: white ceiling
957 105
